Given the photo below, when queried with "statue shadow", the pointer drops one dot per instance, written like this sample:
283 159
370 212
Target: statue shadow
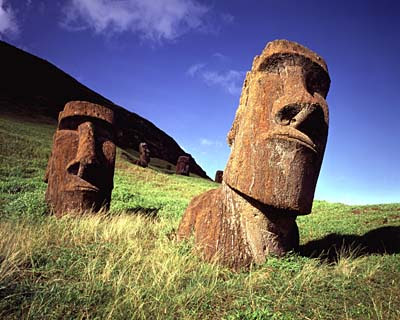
151 213
329 249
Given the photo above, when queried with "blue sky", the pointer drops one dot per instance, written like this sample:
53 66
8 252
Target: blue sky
181 63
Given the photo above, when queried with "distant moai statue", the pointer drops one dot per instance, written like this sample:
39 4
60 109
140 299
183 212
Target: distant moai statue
182 165
80 170
144 155
218 176
277 144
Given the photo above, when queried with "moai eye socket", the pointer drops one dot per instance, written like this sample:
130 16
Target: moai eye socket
317 81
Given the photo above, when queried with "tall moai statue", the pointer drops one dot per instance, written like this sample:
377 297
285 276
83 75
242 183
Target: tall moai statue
218 176
277 144
144 155
182 165
80 170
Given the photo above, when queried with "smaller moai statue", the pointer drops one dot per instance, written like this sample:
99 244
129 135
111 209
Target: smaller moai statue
182 166
218 176
80 170
144 155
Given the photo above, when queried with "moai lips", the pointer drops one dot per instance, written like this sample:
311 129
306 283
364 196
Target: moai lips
277 144
144 155
80 170
182 166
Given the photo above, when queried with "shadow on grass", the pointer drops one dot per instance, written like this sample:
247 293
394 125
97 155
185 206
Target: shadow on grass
151 213
384 240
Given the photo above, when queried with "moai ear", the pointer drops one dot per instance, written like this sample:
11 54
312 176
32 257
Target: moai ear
238 117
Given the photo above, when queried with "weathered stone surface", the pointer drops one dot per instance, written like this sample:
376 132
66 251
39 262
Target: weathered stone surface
80 170
234 231
144 155
277 144
183 166
218 176
279 134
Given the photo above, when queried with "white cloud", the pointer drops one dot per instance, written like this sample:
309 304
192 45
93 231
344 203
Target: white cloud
155 20
8 23
207 142
220 56
231 80
195 69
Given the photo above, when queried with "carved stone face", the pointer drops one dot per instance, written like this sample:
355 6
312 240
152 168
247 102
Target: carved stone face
182 165
144 154
279 134
218 176
81 166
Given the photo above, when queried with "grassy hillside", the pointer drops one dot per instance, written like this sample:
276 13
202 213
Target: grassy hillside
127 265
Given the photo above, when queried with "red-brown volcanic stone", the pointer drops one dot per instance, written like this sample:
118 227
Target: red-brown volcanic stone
277 144
218 176
144 155
80 170
182 165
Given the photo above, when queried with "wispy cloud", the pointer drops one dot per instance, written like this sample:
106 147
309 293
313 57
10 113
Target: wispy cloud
8 22
221 57
195 69
227 18
154 20
230 80
207 142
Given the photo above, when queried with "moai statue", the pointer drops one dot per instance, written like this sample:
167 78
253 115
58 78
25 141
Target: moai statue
182 166
80 170
218 176
144 155
277 144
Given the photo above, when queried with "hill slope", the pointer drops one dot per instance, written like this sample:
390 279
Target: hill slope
32 86
126 265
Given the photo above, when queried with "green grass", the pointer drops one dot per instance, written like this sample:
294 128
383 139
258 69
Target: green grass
127 265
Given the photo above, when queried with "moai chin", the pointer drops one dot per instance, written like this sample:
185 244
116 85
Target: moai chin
144 155
80 170
182 166
218 176
277 144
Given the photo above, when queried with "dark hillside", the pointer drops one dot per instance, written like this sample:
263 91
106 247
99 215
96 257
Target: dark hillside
33 87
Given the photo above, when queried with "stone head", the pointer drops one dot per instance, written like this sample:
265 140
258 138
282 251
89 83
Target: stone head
218 176
182 165
144 154
80 170
280 130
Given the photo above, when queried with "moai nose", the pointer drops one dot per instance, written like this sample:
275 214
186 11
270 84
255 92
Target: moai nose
86 153
305 117
295 114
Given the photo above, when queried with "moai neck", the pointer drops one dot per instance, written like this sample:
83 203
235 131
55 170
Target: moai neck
265 231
